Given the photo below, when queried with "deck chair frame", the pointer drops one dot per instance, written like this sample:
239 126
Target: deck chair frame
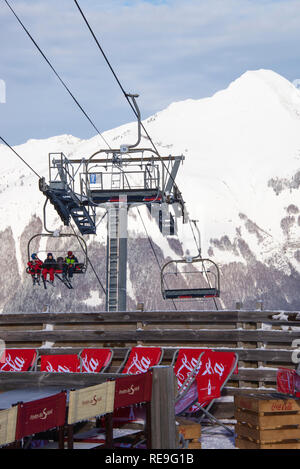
205 410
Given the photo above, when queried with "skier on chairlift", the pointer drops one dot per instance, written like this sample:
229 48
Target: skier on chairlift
49 267
35 267
70 265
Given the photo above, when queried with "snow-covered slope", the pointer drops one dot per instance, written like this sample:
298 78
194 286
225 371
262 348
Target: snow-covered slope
240 179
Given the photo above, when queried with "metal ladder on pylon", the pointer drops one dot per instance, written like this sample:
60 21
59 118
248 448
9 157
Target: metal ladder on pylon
112 260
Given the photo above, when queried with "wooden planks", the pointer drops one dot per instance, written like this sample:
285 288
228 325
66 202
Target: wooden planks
262 352
266 422
191 433
156 335
155 317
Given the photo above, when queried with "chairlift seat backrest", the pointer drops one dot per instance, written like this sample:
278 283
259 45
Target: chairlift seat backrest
18 359
95 360
60 363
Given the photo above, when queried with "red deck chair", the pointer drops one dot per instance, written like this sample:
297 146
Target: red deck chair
288 382
18 360
60 363
95 360
41 415
140 359
213 373
184 363
137 361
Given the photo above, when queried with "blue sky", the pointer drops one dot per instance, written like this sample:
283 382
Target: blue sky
164 50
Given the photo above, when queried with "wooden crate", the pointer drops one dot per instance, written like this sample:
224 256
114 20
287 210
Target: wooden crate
191 432
267 422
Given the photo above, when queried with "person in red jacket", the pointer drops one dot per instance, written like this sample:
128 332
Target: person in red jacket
49 267
35 267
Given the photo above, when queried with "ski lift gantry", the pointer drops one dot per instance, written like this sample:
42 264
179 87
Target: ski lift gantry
115 179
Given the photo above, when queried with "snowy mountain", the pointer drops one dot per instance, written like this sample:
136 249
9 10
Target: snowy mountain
240 179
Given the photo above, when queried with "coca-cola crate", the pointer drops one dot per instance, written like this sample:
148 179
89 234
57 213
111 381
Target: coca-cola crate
191 433
267 422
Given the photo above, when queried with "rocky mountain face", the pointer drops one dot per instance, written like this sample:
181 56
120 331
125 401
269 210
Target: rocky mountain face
240 179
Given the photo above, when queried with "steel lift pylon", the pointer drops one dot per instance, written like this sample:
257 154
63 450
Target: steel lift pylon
115 180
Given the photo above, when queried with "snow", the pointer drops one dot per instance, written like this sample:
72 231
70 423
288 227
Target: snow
215 437
234 142
94 299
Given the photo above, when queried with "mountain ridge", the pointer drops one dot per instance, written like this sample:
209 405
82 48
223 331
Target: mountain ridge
240 179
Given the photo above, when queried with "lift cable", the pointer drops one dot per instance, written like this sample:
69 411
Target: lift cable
56 73
123 90
22 159
86 115
76 101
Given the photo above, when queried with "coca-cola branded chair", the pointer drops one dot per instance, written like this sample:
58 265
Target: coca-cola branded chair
60 363
204 383
288 382
95 360
18 360
140 359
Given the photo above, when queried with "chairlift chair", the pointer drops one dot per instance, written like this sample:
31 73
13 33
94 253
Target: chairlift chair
80 267
205 282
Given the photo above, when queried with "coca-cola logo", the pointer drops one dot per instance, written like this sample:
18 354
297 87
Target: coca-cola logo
218 369
43 415
58 369
278 406
186 368
89 366
139 365
11 364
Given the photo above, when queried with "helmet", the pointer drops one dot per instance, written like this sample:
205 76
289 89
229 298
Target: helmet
49 254
70 253
33 256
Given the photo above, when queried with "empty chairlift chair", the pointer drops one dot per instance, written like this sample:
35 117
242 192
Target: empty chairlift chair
189 279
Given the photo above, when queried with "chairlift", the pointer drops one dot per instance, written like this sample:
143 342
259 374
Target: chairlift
80 267
179 281
182 279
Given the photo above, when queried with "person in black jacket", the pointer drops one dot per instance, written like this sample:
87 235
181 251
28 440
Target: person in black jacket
49 266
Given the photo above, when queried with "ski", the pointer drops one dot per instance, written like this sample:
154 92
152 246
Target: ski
47 281
65 281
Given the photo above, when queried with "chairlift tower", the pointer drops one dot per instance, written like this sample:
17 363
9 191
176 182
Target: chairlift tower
115 180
